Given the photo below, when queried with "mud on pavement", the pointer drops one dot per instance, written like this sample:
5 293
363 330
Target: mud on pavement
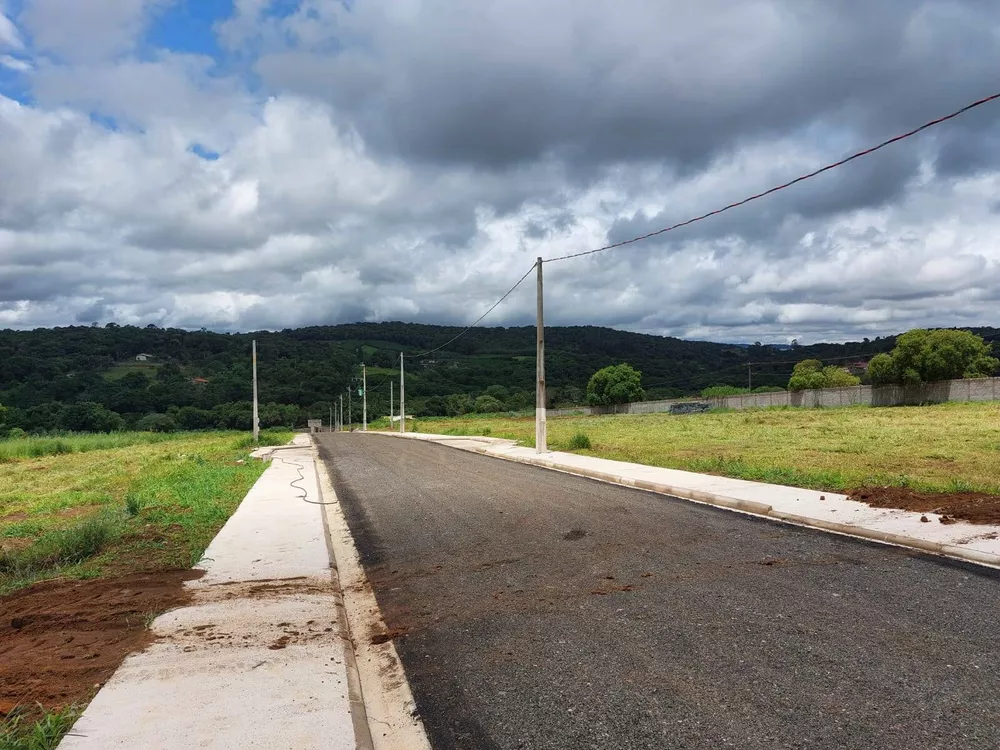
61 640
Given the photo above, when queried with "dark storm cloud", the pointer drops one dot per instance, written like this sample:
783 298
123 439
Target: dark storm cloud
498 83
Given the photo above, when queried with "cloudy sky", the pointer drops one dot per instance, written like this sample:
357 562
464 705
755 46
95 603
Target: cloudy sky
246 164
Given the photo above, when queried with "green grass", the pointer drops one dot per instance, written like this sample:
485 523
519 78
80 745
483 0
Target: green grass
104 511
22 730
35 447
934 448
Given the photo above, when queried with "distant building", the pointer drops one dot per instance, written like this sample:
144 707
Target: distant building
199 381
143 357
858 367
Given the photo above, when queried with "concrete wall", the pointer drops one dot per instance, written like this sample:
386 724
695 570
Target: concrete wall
979 389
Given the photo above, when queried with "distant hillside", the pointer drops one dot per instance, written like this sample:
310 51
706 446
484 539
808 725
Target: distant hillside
203 378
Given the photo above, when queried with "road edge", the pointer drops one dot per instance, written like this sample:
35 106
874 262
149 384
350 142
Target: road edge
750 507
383 689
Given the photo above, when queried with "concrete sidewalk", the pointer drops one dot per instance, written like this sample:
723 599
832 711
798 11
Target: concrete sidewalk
261 659
822 510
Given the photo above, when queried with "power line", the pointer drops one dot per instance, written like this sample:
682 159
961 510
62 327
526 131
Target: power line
775 189
478 320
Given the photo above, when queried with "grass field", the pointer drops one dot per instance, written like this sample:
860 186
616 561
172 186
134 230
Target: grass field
91 506
119 371
86 505
947 447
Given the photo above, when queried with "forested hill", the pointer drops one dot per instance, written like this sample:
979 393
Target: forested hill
55 378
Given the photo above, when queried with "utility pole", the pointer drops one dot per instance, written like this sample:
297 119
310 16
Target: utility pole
364 394
350 409
341 412
391 405
256 413
402 396
331 419
541 437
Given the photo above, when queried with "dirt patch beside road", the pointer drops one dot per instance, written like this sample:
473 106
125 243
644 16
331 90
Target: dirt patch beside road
974 507
61 640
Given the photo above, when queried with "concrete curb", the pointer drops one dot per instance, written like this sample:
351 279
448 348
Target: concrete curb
744 506
382 688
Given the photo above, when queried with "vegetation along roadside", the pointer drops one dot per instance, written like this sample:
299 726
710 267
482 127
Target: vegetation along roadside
97 535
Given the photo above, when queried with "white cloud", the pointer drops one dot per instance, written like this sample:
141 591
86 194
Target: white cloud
14 63
87 30
318 209
9 36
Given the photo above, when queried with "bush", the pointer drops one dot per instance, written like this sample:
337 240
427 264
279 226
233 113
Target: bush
156 423
488 405
133 504
56 548
810 374
579 442
716 391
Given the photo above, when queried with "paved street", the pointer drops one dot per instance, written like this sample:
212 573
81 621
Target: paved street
539 610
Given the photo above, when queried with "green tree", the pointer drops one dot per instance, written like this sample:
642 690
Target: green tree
809 374
458 404
488 405
617 384
838 377
882 370
923 356
156 423
88 416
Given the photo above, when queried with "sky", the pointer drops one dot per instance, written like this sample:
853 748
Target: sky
269 164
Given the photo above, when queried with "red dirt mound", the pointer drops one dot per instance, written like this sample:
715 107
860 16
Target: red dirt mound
59 640
974 507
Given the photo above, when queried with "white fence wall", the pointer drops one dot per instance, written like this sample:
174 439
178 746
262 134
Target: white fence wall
977 389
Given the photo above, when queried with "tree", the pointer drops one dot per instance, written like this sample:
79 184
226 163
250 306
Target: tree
882 370
488 405
809 374
88 416
925 356
458 404
156 423
617 384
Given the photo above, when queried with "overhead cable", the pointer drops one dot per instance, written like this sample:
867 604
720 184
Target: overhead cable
788 184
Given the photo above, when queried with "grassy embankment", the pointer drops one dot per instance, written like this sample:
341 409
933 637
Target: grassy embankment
945 448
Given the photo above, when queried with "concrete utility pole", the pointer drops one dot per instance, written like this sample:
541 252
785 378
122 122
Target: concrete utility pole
256 413
364 394
350 409
331 419
541 435
341 412
391 405
402 396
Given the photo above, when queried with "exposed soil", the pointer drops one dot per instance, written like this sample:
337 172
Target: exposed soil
974 507
60 640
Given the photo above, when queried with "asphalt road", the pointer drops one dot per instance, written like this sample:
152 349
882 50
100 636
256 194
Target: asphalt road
541 610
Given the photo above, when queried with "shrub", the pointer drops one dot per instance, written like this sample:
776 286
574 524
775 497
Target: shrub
56 548
715 391
579 442
156 423
133 504
488 405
